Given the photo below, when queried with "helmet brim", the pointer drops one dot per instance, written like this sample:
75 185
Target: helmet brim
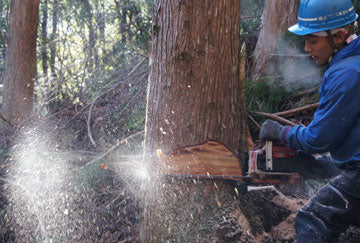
299 30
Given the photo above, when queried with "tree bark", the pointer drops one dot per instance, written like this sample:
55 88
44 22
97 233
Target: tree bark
277 17
101 25
54 104
20 64
53 39
194 95
44 39
91 50
194 92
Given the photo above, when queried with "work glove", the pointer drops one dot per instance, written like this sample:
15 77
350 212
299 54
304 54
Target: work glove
273 131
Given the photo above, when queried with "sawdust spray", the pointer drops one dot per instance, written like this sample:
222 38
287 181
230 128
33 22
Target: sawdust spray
52 191
38 178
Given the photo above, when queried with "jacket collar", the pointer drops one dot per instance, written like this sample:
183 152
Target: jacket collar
351 49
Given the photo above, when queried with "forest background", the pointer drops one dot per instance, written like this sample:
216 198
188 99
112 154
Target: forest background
90 94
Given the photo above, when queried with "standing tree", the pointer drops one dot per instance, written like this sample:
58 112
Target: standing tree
278 15
194 90
20 66
195 102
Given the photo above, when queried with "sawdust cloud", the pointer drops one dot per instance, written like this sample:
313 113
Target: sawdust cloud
51 201
38 178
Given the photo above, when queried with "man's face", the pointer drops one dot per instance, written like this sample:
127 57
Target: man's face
319 49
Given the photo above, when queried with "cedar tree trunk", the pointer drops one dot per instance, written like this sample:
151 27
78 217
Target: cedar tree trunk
194 92
20 64
194 95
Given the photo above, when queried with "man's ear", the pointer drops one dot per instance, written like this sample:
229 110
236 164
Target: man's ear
339 37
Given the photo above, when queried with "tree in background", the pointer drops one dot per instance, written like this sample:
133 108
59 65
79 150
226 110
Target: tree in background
278 15
20 67
86 48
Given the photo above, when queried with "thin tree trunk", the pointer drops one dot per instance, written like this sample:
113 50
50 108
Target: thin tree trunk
92 53
123 13
101 26
53 38
53 105
44 39
20 64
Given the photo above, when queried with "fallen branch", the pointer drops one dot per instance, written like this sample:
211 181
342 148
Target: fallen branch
3 118
123 141
116 86
137 66
250 17
89 131
297 110
288 55
255 122
88 120
275 118
306 92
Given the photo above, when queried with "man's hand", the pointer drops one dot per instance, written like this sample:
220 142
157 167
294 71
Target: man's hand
273 131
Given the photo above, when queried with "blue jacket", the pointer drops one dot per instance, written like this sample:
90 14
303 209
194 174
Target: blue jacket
336 124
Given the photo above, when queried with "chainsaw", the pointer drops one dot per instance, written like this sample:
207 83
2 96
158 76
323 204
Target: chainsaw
278 164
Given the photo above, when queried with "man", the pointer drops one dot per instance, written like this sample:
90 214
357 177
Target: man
328 27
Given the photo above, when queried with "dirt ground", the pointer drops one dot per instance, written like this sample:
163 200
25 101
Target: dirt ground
99 203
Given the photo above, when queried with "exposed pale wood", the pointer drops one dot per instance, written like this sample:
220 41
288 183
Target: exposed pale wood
194 95
249 143
209 159
276 118
297 110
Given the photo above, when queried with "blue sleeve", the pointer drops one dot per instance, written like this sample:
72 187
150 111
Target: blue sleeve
338 111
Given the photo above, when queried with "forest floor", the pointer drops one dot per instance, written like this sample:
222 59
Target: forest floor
101 201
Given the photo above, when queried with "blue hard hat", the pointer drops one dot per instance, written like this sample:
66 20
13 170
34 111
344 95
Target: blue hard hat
320 15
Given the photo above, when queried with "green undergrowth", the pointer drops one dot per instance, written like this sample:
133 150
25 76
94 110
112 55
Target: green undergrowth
269 96
264 95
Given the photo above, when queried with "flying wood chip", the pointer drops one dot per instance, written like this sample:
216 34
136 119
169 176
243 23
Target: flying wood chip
211 159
